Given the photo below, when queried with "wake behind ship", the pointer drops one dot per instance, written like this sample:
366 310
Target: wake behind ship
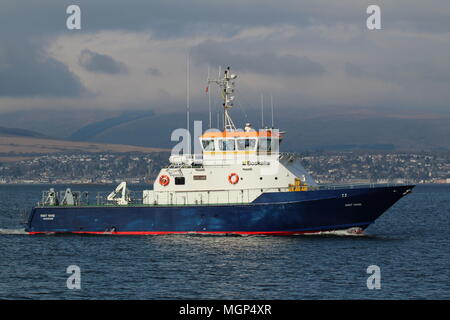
239 184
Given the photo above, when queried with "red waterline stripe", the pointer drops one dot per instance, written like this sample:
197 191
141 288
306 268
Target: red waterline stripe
187 232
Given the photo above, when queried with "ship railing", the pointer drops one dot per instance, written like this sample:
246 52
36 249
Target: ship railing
214 197
356 185
198 160
81 198
243 196
288 155
58 198
185 160
133 198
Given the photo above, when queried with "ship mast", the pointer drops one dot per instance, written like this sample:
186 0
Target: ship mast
227 90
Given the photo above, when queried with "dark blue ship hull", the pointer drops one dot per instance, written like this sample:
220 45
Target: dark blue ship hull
271 213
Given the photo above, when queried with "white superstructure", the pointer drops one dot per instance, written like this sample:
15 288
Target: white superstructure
235 166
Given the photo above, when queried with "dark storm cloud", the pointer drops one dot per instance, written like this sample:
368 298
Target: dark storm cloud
403 73
102 63
215 54
164 18
177 18
171 18
412 32
27 72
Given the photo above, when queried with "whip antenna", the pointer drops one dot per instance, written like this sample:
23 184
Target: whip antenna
271 106
209 100
187 94
262 111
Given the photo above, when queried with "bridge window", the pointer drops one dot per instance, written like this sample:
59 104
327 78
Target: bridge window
208 145
264 144
246 144
227 144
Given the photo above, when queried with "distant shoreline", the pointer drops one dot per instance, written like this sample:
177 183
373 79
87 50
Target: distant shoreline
151 184
74 183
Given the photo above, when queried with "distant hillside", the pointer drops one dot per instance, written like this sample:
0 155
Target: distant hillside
319 132
90 131
153 131
55 123
16 132
17 146
337 129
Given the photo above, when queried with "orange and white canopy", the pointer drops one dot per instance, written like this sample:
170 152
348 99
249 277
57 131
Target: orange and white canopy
243 134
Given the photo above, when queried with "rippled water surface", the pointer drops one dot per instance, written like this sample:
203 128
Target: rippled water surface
410 244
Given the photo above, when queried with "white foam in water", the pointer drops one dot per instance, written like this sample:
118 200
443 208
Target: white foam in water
12 231
347 232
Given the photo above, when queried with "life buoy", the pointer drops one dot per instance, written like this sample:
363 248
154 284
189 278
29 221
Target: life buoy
233 178
164 180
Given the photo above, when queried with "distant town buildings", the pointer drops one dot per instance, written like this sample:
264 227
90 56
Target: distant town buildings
326 167
361 167
84 168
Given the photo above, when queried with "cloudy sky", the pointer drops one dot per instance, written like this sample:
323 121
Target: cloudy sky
307 54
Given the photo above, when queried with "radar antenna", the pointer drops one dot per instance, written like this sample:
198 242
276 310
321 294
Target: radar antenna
227 89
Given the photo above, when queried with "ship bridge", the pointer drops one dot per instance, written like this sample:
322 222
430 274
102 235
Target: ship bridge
260 142
229 147
240 145
234 166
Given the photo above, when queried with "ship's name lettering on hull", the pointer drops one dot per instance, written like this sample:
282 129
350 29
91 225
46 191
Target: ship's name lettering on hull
256 163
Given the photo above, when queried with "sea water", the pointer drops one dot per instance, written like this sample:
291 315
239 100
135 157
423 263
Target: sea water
409 245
